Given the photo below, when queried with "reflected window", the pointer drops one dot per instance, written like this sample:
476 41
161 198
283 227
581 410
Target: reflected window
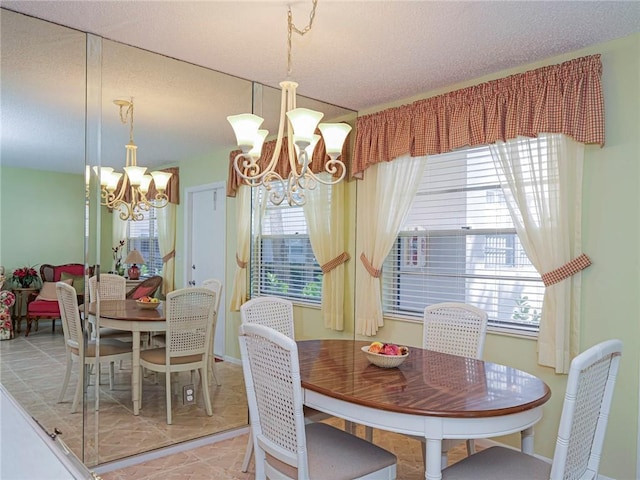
143 236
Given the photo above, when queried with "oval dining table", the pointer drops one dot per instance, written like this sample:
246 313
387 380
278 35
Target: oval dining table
432 395
128 316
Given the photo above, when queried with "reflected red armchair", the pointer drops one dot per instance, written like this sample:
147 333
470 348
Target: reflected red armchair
44 304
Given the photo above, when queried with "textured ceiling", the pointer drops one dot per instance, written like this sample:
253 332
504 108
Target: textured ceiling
357 55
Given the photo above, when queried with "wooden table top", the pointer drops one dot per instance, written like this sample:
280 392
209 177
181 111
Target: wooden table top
127 310
427 383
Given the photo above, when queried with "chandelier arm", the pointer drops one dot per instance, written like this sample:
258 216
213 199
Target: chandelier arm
276 195
249 170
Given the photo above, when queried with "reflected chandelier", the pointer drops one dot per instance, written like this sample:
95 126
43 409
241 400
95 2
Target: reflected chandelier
301 127
135 180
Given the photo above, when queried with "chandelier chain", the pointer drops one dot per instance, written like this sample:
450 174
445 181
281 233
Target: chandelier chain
292 28
127 114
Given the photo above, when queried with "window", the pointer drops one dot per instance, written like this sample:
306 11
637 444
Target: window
459 244
142 235
282 261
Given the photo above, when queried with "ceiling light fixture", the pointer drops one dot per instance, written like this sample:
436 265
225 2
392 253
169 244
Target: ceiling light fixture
301 127
115 186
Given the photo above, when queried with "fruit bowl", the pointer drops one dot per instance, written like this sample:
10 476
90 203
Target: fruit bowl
384 361
147 305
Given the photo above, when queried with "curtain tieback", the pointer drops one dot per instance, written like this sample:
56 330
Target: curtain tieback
335 262
240 263
367 265
567 270
169 256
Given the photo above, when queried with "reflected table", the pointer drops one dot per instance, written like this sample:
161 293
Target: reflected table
432 395
128 316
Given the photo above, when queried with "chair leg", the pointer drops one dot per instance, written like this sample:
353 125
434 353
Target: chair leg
67 376
167 389
204 378
212 367
79 389
248 452
111 374
471 447
368 434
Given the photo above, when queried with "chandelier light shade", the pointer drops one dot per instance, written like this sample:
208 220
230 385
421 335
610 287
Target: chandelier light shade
301 138
128 193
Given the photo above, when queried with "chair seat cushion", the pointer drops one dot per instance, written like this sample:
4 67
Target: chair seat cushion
108 346
43 307
336 455
498 463
159 356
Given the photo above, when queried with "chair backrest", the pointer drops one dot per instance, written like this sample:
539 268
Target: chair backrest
110 287
215 285
455 328
585 411
52 273
71 326
146 288
274 392
273 312
190 314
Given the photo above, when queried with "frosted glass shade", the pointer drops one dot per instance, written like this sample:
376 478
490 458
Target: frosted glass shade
309 148
135 174
105 174
144 184
245 126
256 150
161 179
304 122
334 135
112 181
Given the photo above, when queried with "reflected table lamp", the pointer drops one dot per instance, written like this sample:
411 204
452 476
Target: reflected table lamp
132 259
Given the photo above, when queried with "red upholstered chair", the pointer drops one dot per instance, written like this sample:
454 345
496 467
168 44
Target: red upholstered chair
44 304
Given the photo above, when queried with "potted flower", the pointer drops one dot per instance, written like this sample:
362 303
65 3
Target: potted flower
25 277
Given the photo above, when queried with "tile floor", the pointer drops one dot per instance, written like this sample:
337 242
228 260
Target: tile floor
32 370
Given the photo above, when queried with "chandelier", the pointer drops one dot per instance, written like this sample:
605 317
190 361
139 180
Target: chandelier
301 126
128 193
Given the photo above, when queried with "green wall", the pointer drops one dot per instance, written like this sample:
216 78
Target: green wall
41 218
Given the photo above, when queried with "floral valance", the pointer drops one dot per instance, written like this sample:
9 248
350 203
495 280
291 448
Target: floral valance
565 98
282 165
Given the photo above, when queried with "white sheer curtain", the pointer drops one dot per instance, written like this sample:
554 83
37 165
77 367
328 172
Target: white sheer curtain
118 232
324 214
243 241
385 195
167 243
542 183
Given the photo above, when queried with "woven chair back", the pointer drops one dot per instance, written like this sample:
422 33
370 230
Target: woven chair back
455 328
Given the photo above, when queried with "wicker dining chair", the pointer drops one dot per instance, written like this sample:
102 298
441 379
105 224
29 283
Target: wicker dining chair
286 447
110 349
190 317
583 422
457 329
276 313
216 286
109 287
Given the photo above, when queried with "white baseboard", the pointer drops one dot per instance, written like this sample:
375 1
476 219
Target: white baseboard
486 443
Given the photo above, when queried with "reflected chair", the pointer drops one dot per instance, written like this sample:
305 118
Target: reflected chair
285 445
146 288
216 286
190 314
42 305
276 313
110 287
581 433
110 350
457 329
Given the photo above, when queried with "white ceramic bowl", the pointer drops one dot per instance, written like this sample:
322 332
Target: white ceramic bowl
148 305
384 361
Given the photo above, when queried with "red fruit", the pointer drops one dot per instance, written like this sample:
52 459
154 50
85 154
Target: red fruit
390 349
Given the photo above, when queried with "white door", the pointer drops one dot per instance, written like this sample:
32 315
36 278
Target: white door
205 236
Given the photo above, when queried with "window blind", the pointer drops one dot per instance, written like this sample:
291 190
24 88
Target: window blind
142 235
